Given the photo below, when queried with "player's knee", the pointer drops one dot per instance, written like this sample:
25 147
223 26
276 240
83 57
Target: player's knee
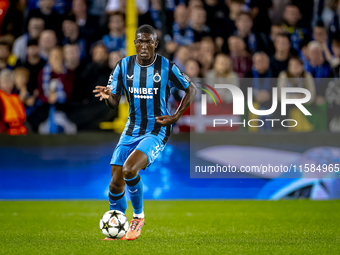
129 171
116 186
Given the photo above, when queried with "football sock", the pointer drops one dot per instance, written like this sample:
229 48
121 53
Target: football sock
138 215
135 188
118 202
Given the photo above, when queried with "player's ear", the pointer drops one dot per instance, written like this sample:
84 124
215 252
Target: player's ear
156 43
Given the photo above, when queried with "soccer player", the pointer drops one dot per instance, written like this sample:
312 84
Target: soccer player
146 79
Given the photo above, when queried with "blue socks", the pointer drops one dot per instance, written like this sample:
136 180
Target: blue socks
135 188
118 202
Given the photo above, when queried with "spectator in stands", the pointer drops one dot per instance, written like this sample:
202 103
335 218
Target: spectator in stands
333 59
55 85
268 40
90 112
87 23
291 17
216 16
241 58
51 17
222 73
35 27
259 11
71 35
47 42
154 13
235 8
336 47
319 33
115 40
34 64
262 75
61 6
244 24
206 54
182 34
195 4
54 81
334 27
319 68
74 64
304 50
97 7
197 23
296 77
98 71
279 61
193 68
333 99
21 80
12 111
262 84
181 56
114 57
5 52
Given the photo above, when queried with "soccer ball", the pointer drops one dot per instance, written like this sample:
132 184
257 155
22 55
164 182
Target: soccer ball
114 224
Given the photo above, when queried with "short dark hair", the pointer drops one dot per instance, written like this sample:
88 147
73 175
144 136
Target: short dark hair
32 42
284 34
99 43
293 5
297 58
146 29
237 1
336 41
320 23
117 13
244 13
276 24
70 17
7 45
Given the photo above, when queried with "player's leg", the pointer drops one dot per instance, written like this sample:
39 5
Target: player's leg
134 163
145 153
117 198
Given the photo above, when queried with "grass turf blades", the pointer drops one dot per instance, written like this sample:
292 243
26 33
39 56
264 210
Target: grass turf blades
174 227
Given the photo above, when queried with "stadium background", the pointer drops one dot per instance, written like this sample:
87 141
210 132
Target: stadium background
53 53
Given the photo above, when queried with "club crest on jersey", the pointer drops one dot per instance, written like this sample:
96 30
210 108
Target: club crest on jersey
129 77
157 77
110 79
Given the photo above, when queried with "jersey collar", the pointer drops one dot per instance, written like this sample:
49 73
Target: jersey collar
149 64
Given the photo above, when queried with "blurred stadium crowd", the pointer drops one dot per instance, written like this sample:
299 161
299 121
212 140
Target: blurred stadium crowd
54 52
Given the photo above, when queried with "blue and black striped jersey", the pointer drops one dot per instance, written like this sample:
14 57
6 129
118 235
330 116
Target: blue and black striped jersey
147 89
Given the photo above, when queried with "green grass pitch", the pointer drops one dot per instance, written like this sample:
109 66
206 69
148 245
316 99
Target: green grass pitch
174 227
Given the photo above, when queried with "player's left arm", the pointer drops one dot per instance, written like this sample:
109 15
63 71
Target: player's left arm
181 81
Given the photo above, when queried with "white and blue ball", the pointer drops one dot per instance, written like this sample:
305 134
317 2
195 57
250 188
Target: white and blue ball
114 224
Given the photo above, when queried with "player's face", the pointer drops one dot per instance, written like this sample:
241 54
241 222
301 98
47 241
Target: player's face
145 46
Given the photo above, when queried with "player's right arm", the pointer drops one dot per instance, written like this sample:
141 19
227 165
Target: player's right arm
111 100
112 93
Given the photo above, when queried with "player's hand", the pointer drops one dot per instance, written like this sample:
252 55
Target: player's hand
166 120
102 92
